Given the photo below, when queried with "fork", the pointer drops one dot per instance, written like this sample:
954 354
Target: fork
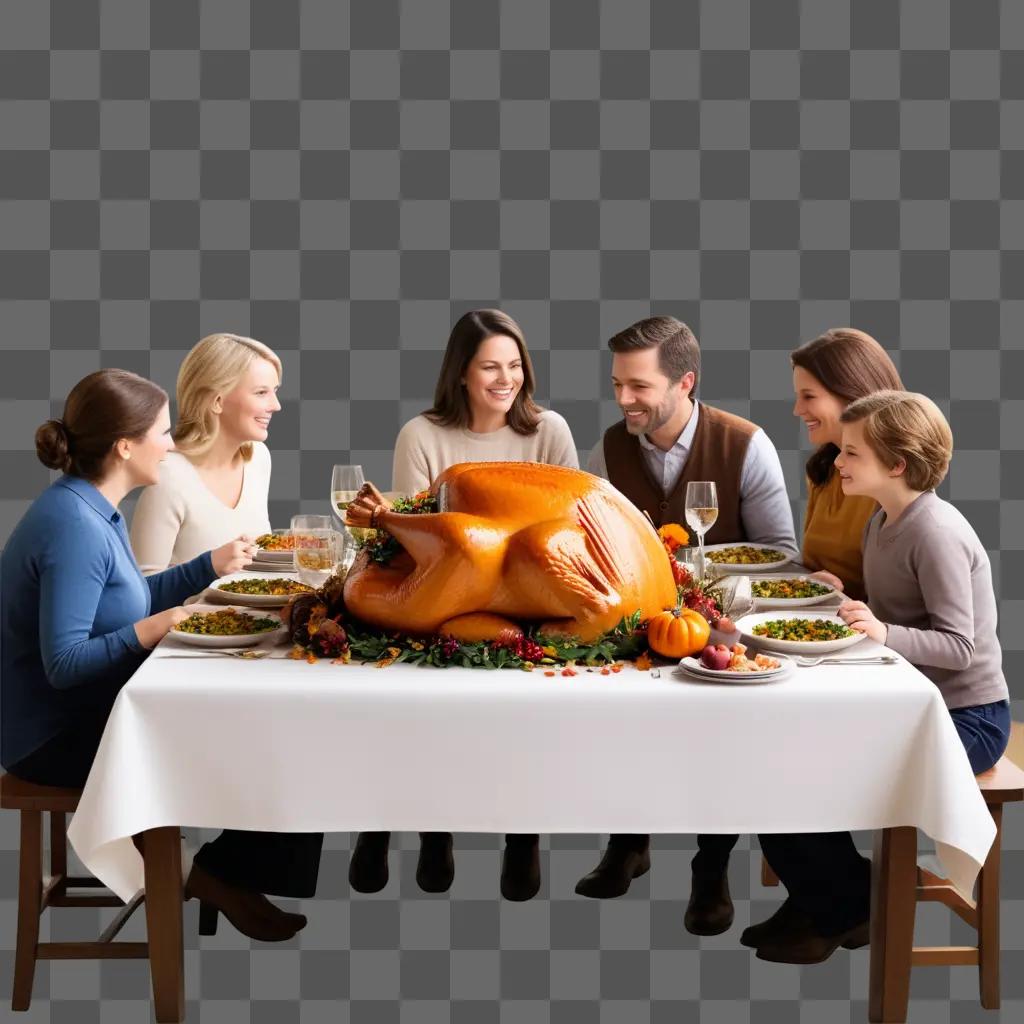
882 659
248 655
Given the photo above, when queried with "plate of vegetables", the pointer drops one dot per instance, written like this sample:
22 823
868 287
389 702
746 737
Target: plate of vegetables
277 547
789 591
812 633
743 557
255 589
226 627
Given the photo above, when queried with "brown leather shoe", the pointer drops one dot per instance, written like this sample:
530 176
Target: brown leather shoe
620 864
710 910
808 947
243 909
786 920
368 866
208 914
435 868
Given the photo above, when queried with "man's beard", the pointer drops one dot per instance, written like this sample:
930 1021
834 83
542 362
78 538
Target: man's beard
655 419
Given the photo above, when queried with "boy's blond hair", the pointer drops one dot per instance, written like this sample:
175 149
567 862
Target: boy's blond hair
213 367
908 427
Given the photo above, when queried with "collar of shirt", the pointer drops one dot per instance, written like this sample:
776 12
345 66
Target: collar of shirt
91 496
683 441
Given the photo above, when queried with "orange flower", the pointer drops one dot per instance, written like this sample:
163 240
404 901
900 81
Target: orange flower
643 663
673 536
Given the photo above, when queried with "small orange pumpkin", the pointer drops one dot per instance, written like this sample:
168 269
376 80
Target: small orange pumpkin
678 632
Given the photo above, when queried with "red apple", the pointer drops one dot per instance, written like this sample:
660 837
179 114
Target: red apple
715 657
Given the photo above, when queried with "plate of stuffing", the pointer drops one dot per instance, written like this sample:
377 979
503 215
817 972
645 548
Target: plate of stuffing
811 633
789 591
745 557
227 627
255 589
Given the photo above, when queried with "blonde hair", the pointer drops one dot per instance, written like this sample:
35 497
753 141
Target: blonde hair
908 427
213 367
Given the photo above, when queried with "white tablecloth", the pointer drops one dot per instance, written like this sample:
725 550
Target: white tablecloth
287 746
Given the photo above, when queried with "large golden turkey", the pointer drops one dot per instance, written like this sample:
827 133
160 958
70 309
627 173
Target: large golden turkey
511 543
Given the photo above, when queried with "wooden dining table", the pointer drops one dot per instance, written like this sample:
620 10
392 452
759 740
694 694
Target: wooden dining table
282 745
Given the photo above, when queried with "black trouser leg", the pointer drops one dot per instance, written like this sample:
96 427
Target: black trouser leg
629 841
66 759
277 863
825 876
712 857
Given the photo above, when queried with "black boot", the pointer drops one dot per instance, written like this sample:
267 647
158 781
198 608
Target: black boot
710 910
368 866
520 868
625 858
435 869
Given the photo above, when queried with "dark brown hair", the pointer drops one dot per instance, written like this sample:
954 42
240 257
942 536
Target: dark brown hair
901 426
101 409
678 351
451 405
850 364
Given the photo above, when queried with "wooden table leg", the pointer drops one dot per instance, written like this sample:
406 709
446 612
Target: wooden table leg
162 849
893 902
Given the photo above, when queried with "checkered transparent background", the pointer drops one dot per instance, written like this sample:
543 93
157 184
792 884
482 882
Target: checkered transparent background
344 179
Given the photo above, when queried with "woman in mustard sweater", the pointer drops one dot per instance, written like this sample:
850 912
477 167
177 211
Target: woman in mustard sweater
841 366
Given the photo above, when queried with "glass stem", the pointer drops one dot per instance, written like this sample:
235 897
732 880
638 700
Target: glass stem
702 567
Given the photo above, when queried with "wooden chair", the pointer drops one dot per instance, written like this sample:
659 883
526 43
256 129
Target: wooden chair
36 893
1000 785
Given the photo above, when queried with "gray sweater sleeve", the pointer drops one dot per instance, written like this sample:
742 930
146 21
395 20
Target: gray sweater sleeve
943 574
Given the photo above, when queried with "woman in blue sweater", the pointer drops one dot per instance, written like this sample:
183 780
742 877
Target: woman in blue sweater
77 618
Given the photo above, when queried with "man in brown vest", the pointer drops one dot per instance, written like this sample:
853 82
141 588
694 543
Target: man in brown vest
665 440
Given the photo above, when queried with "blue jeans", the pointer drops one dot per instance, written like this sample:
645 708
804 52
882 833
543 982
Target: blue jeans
984 731
825 875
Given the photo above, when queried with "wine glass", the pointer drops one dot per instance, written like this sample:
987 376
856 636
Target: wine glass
701 513
317 553
345 484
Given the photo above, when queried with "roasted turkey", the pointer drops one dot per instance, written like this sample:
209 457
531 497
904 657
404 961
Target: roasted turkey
512 543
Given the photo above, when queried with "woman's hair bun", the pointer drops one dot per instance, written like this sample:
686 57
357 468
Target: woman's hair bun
52 445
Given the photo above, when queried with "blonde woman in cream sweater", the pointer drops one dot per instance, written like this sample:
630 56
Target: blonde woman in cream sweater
483 411
215 485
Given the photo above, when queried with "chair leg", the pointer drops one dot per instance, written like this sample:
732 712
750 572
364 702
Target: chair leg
59 854
30 890
768 876
988 918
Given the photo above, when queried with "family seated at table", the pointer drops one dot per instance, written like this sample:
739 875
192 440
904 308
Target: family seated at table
81 611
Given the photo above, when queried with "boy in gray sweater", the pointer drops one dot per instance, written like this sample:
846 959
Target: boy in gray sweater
930 598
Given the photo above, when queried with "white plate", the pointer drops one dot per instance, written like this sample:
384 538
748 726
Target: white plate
790 602
748 622
692 666
242 640
746 567
217 596
275 557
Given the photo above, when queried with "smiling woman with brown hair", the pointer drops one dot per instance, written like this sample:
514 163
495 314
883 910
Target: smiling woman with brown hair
829 373
483 408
